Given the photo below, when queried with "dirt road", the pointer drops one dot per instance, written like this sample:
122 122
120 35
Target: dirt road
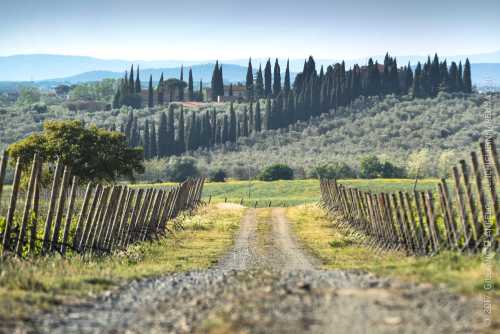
267 284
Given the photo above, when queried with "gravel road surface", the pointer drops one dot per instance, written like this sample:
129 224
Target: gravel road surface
267 284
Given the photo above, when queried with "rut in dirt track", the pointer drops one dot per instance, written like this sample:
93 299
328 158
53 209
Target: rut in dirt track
267 284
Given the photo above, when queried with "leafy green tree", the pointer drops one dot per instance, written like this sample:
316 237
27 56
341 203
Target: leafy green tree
93 154
370 167
339 170
28 96
276 172
179 169
218 175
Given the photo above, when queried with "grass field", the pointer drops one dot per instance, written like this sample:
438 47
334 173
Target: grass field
296 192
40 283
461 273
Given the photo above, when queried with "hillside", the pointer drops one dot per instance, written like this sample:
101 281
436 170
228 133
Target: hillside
447 126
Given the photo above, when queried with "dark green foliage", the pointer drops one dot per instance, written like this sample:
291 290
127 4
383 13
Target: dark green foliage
146 141
249 81
259 84
286 84
181 141
467 81
258 121
268 91
217 82
150 92
276 172
181 88
190 92
218 175
93 154
153 142
163 136
333 171
232 124
277 79
160 91
182 168
371 168
138 82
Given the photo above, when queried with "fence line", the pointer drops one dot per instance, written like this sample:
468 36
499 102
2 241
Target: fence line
94 219
425 222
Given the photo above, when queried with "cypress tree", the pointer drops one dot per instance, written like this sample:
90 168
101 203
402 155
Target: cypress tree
467 77
190 86
249 81
221 82
160 90
435 77
225 130
128 127
150 92
136 137
163 136
215 81
230 92
131 81
138 82
251 119
277 78
170 131
191 139
267 79
232 124
181 89
259 84
417 89
200 93
213 127
258 121
453 77
268 118
153 143
146 141
408 78
117 99
460 77
181 141
286 85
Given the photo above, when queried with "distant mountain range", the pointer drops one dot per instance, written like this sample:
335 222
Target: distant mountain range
49 70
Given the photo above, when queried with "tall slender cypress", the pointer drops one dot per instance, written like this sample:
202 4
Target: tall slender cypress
150 92
258 118
286 84
181 139
160 90
232 124
163 136
467 77
131 81
153 141
268 79
190 86
146 141
259 84
170 131
215 81
277 78
249 81
138 82
181 88
268 118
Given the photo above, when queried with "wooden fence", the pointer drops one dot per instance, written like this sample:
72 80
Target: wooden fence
95 219
463 216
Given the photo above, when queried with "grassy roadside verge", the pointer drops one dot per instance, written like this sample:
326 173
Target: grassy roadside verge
37 284
460 273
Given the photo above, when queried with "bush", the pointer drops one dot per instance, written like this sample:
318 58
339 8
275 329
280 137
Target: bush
333 171
276 172
218 175
180 169
371 168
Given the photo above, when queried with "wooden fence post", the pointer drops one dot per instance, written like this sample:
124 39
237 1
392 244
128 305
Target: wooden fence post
27 206
69 215
12 206
490 178
35 207
88 221
461 206
52 205
60 208
3 170
82 215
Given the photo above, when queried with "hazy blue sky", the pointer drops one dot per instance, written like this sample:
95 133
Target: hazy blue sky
204 29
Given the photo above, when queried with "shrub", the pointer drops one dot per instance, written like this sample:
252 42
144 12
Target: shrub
276 172
371 168
180 169
218 175
333 171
